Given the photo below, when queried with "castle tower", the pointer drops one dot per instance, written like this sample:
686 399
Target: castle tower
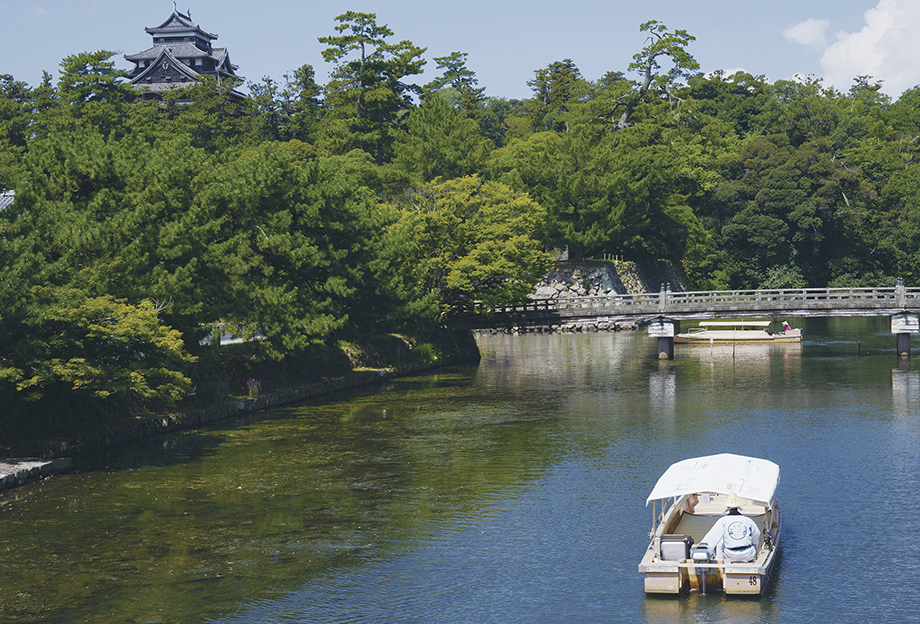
181 53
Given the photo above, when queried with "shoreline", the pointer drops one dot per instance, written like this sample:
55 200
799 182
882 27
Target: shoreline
56 456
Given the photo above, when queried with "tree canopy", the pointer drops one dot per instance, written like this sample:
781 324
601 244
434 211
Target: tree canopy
309 213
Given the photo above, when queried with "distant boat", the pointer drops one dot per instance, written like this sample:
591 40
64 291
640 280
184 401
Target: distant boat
694 495
711 332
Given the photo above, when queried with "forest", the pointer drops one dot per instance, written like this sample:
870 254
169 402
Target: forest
307 216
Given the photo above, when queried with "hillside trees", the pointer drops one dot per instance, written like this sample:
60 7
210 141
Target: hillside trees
73 338
270 244
785 206
307 213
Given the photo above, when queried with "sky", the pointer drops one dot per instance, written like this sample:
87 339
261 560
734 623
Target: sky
506 42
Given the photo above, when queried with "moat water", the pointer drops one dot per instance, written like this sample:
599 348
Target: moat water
511 491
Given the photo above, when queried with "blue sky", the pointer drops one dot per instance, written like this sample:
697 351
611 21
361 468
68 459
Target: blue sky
835 40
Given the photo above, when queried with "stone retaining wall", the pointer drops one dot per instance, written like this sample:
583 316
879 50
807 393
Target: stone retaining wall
596 280
16 472
615 277
570 327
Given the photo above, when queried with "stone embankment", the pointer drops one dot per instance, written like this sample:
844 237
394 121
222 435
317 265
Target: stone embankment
15 472
598 280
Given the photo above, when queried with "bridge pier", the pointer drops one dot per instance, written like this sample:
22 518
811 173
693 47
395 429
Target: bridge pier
902 326
664 329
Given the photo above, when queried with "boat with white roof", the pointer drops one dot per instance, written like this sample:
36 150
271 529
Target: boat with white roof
715 526
734 331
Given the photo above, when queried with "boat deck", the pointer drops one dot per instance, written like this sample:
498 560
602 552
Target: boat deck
697 525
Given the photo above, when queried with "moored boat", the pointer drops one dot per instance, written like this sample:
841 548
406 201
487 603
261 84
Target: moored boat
699 537
734 331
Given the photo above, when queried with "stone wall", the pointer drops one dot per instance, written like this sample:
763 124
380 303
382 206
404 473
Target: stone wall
615 277
597 280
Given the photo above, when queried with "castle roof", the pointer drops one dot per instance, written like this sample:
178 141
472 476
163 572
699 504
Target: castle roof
178 24
181 53
165 56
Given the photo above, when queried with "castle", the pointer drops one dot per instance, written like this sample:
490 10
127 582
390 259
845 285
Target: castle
181 54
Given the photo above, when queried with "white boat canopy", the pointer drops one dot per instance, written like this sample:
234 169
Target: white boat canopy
748 477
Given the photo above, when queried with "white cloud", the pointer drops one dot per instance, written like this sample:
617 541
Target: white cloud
811 33
886 49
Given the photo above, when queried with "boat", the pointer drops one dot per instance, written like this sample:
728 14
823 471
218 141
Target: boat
733 331
687 501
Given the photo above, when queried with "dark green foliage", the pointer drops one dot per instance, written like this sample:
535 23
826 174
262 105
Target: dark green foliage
440 142
308 216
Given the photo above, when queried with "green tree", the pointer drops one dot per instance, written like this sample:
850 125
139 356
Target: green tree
367 91
302 104
503 120
458 80
441 142
212 113
15 122
289 245
71 342
803 111
740 99
94 90
604 193
463 241
71 352
287 111
553 89
660 43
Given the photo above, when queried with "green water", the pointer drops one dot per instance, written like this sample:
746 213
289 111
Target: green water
509 491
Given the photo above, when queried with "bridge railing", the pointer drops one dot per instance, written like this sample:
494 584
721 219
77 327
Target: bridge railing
666 300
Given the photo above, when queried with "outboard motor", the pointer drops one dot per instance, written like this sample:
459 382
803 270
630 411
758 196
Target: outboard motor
702 553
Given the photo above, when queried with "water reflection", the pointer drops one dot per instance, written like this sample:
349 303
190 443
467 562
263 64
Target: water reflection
905 389
662 385
509 492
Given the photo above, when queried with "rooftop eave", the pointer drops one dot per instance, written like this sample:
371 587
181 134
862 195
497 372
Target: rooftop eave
177 23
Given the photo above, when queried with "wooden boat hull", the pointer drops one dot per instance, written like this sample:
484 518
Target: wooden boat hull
677 577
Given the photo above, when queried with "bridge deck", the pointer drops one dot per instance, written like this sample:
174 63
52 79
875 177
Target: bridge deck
786 302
